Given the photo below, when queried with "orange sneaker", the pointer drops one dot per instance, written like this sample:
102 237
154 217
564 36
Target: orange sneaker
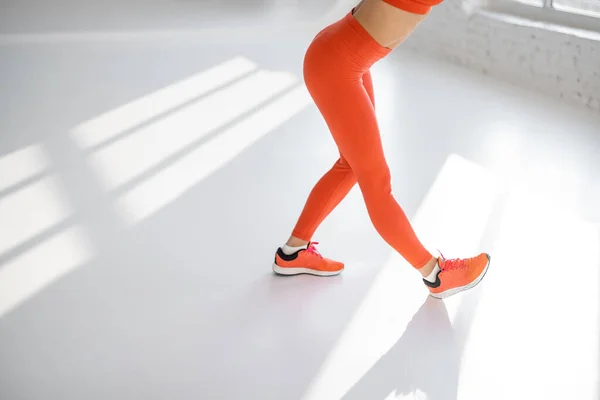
305 261
457 275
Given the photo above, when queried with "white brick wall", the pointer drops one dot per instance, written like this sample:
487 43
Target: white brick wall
557 64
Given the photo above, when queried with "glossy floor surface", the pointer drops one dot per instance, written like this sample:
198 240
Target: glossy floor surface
146 180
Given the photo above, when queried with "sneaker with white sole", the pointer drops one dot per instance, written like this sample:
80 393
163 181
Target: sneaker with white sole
305 261
457 275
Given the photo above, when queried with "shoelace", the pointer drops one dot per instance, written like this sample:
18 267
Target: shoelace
452 263
313 250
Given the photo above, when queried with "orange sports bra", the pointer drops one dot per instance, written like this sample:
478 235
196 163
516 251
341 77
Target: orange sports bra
414 6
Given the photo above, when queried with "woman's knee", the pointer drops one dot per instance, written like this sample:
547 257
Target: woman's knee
342 163
375 180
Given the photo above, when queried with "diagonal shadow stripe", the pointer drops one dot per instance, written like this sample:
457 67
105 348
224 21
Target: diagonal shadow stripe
24 183
41 237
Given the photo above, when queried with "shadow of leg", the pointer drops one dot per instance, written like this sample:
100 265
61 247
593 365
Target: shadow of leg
426 359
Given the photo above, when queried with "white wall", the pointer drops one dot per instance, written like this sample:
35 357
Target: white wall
560 65
557 64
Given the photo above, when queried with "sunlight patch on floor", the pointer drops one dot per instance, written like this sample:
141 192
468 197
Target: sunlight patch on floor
22 164
159 190
538 328
33 255
109 125
31 210
154 164
148 147
38 267
417 395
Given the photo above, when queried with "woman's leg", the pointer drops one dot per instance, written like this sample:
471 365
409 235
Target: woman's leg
333 69
329 191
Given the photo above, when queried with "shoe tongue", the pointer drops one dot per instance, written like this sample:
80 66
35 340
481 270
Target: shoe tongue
454 263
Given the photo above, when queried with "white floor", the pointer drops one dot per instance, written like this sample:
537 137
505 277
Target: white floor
146 180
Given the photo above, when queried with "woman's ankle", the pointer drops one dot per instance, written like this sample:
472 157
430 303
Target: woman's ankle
296 242
428 268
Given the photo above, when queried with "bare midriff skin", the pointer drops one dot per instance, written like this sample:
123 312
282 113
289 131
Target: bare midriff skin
388 25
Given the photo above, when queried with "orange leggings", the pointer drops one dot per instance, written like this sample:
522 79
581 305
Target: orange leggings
336 73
